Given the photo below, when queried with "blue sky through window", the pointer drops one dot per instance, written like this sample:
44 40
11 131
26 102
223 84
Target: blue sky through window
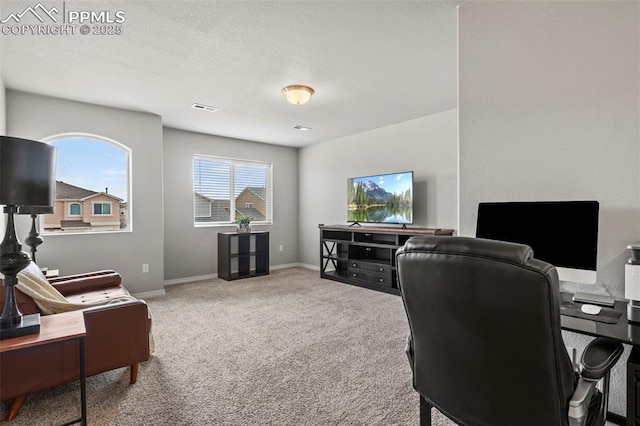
92 164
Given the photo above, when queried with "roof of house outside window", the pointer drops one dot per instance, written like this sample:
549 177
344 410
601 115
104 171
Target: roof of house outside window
65 191
74 224
260 192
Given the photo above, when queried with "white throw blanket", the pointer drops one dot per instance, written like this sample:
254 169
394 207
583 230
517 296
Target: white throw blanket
33 283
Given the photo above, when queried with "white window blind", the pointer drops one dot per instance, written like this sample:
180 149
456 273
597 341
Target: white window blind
224 189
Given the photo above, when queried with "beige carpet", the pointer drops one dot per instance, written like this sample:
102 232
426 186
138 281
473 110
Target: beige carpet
284 349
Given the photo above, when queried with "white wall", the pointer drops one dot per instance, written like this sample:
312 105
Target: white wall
193 252
3 116
425 145
548 104
37 117
3 131
3 124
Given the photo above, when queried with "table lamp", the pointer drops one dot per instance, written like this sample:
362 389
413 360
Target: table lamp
34 239
27 178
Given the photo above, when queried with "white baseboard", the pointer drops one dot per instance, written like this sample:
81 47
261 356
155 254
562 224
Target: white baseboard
295 265
309 266
190 279
212 276
149 294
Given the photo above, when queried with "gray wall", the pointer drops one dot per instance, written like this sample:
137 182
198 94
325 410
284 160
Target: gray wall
193 252
37 117
426 145
548 103
3 131
3 128
3 116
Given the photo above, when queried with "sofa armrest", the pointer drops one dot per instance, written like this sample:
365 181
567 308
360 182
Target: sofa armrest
117 335
83 283
83 275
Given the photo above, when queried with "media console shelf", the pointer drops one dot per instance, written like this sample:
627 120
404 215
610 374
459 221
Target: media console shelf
365 256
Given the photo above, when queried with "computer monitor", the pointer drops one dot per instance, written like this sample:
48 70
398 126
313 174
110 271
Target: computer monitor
562 233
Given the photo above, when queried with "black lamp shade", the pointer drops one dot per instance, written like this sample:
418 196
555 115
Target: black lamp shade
27 172
35 210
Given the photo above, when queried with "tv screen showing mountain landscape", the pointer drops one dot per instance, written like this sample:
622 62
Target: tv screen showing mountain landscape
381 199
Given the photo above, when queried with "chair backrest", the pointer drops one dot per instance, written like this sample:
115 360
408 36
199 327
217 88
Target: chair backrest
485 322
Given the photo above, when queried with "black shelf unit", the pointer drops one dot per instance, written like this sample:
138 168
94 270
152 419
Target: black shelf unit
633 387
243 255
365 256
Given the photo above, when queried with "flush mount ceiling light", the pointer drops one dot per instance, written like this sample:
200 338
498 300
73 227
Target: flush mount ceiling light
298 94
302 128
203 107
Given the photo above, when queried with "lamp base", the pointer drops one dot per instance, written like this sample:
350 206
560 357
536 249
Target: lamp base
30 324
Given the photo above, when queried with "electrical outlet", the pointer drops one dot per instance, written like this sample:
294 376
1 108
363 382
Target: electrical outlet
281 247
145 268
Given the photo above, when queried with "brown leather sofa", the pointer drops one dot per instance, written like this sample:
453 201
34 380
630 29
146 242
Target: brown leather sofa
117 336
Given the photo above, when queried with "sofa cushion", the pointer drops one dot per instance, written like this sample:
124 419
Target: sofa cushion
102 295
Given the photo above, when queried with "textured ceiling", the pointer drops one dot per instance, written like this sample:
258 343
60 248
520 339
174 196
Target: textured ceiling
371 63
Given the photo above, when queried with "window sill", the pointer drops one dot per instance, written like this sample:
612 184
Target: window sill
227 225
119 231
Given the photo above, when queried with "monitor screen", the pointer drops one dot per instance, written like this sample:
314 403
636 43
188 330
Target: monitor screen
385 198
563 233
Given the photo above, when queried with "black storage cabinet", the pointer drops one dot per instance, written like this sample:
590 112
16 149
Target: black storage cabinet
243 255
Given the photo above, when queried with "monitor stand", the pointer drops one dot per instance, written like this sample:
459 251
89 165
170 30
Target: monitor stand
595 299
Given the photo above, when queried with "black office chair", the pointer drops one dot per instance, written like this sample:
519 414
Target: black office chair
485 344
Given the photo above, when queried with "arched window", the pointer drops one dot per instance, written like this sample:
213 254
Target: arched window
93 184
75 209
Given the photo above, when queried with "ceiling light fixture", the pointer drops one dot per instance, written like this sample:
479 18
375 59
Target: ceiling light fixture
298 94
303 128
203 107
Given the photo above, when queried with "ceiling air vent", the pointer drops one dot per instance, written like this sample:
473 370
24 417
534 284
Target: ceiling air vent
203 107
303 128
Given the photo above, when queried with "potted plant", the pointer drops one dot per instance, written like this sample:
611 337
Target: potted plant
244 223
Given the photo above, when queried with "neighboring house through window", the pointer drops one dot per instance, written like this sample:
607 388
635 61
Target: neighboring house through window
92 185
224 189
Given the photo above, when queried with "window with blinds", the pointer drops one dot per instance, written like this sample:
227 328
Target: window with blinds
224 189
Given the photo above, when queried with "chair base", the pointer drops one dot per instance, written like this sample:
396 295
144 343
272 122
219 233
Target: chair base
425 412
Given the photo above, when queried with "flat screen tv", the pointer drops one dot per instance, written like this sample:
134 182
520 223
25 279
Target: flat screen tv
385 198
563 233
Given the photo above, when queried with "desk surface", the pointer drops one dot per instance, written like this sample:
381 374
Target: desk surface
622 331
